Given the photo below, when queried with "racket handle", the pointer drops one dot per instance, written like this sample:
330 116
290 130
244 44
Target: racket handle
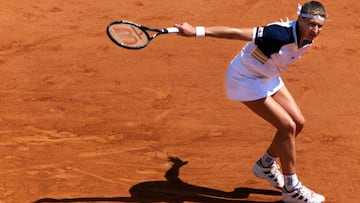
172 29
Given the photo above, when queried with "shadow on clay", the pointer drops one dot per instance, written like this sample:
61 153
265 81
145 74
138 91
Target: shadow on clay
174 190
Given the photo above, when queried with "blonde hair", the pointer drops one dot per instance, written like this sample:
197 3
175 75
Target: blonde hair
313 8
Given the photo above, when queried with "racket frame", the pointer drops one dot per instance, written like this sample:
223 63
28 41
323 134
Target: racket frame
144 29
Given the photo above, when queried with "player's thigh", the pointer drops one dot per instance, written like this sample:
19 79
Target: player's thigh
270 110
284 98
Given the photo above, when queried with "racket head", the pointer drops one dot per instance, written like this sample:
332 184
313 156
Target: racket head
128 34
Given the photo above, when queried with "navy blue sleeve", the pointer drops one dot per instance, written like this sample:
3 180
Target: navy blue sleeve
271 38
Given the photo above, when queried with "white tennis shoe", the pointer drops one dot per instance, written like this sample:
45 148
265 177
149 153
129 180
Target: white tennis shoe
271 174
301 194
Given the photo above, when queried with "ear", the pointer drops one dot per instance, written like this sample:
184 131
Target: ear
299 19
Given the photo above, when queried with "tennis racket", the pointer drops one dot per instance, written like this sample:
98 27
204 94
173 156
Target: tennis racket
131 35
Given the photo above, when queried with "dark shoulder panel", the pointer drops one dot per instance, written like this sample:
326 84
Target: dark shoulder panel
271 38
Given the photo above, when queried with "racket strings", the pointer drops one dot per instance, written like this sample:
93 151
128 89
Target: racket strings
128 35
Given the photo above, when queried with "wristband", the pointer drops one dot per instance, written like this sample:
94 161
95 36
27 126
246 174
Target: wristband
200 31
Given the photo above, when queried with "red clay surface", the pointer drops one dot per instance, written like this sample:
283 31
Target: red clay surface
83 120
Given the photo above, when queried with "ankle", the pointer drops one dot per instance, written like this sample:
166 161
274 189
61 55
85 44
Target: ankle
267 160
291 182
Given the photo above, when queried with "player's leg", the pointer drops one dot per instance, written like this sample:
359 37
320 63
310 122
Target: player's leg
283 144
294 191
282 111
284 98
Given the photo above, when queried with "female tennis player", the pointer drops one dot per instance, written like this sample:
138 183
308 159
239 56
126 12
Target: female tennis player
253 78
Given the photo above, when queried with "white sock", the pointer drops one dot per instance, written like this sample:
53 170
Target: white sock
290 182
267 160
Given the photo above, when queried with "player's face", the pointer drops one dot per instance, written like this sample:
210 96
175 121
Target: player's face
310 28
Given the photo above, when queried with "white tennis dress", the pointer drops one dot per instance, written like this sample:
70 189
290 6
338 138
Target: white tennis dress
255 72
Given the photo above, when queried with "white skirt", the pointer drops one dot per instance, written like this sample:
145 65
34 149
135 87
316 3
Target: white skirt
243 88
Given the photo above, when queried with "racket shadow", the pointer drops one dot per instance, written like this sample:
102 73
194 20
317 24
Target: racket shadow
174 190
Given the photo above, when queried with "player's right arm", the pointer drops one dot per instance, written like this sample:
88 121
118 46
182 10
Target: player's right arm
245 34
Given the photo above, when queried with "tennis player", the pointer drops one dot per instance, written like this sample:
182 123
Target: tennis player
253 78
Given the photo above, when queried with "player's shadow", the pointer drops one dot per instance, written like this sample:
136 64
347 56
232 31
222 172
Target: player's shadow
174 190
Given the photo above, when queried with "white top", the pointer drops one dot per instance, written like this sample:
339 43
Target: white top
255 72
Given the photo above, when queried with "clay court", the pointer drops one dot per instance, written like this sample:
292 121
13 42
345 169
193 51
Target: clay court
84 120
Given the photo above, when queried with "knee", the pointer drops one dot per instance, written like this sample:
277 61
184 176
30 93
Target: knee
288 127
300 123
292 127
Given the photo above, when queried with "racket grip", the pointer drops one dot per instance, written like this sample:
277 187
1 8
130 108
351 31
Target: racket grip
172 29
